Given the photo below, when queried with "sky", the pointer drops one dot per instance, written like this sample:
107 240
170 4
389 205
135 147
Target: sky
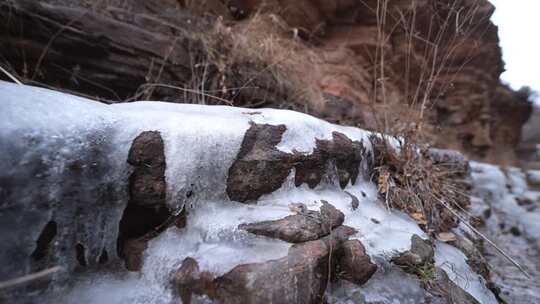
519 32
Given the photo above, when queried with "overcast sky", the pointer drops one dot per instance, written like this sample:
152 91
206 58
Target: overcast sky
519 32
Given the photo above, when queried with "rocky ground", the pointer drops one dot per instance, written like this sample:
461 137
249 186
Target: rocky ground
204 203
508 200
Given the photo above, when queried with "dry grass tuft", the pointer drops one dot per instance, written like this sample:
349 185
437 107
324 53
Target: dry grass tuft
264 52
412 180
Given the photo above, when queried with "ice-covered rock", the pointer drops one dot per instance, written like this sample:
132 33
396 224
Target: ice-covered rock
508 201
88 186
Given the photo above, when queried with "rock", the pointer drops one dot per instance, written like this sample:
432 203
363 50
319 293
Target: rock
389 284
304 270
147 182
347 155
451 159
330 215
294 228
443 287
109 51
354 264
469 100
260 168
498 188
81 180
475 259
189 280
132 252
146 209
421 252
354 201
306 226
301 277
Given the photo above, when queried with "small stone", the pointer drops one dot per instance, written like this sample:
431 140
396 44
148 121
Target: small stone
354 264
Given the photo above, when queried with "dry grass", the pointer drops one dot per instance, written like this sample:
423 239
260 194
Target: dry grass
264 41
411 180
430 64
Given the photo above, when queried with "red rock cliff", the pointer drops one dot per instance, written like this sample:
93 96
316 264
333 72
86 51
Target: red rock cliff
388 65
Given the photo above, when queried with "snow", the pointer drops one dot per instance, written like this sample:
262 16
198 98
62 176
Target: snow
454 263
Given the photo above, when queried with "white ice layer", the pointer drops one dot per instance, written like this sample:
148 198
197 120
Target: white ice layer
211 237
454 263
383 232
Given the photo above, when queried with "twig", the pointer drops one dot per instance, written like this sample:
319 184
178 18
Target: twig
10 76
509 258
30 277
187 90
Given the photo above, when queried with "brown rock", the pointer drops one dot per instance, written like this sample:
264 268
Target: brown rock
189 280
330 215
306 226
421 252
132 252
345 154
354 264
301 277
259 168
311 169
147 209
147 182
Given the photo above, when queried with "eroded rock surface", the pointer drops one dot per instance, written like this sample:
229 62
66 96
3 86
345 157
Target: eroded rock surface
261 167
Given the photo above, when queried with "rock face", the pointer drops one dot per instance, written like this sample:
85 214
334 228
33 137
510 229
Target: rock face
529 152
358 62
204 202
380 67
372 65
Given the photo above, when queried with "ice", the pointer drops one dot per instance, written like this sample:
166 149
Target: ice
384 232
454 263
502 189
534 176
57 133
389 285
